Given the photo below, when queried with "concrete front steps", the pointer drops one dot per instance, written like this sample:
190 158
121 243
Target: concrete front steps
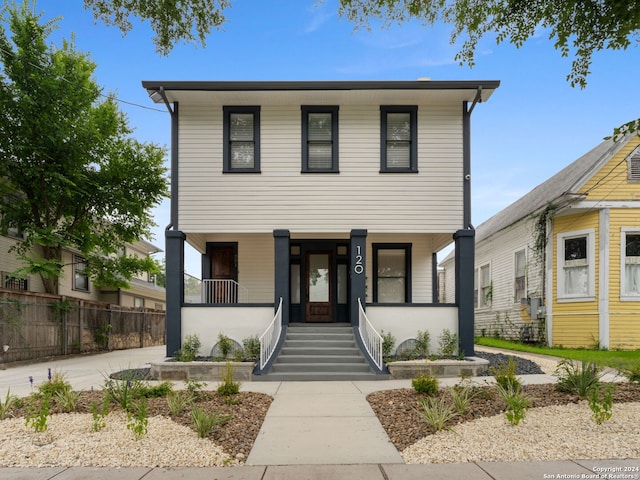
315 352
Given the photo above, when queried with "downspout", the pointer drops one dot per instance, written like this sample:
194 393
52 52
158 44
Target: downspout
466 158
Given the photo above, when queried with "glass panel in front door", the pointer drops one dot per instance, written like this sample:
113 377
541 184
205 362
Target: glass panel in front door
318 277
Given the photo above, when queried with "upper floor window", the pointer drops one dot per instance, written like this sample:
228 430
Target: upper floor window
392 273
399 139
319 139
576 265
520 277
80 276
241 138
14 283
633 169
630 264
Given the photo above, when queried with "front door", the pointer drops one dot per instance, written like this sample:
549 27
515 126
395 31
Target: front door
319 306
223 272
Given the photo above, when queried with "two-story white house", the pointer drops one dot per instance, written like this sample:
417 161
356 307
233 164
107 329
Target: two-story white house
321 202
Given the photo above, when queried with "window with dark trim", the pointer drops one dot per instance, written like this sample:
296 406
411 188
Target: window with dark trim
80 276
319 139
241 138
392 272
398 139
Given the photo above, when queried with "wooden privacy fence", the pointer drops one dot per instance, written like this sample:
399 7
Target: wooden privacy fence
35 326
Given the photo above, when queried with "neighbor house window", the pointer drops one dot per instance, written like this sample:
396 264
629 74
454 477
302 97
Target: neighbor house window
576 265
14 283
633 166
319 139
138 302
519 280
630 268
398 139
80 276
392 273
485 286
241 138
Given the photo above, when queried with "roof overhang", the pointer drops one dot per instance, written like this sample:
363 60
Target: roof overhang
321 92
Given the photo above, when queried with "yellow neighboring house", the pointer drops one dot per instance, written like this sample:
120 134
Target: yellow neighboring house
562 263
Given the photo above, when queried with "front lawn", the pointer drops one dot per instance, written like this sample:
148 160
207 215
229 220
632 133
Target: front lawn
619 359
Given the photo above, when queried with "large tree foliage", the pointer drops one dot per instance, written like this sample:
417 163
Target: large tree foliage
171 20
578 28
71 175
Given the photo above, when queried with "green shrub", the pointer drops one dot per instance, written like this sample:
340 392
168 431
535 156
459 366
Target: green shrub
436 413
228 386
601 406
505 375
426 384
225 345
178 401
38 413
517 403
190 348
207 422
67 400
155 391
388 342
99 414
461 396
251 347
632 373
577 378
421 347
138 418
54 385
448 343
125 390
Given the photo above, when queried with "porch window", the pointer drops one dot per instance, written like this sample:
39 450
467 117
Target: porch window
485 287
80 276
398 139
241 138
519 281
630 268
319 139
576 269
392 276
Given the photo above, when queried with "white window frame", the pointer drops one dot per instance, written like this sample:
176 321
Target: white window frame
523 251
624 295
482 294
591 266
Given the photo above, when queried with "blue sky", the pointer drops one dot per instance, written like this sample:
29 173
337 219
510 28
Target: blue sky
533 125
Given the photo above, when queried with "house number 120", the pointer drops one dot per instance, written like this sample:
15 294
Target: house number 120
358 267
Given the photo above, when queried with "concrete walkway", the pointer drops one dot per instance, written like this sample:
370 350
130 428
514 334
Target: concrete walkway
313 430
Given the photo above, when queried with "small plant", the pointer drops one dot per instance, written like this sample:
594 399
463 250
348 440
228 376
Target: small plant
388 342
437 413
38 413
426 384
101 335
577 378
99 414
421 348
154 391
517 403
461 396
448 343
138 419
123 391
631 372
225 345
67 400
601 407
207 422
190 348
178 401
55 384
251 347
505 375
196 388
228 386
10 401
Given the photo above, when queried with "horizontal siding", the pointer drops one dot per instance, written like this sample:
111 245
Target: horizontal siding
359 196
575 324
9 263
610 182
624 330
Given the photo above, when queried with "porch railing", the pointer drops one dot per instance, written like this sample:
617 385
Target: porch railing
370 337
269 339
223 291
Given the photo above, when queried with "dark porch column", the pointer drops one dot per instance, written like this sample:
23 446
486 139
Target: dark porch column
281 281
357 276
174 245
464 254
